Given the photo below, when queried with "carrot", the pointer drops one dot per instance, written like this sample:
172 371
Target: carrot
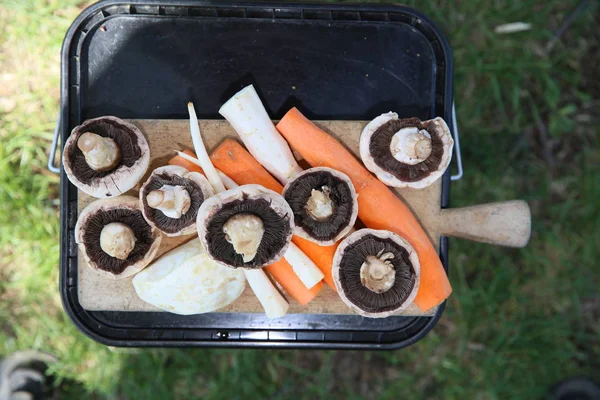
237 163
378 206
182 162
281 270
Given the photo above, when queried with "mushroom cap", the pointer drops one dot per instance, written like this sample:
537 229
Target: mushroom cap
349 258
269 206
345 209
196 185
124 209
375 141
135 158
186 281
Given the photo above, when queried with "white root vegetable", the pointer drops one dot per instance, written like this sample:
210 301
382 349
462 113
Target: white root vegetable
186 281
303 266
274 304
246 113
201 153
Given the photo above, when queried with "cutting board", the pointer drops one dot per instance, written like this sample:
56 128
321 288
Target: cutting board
506 223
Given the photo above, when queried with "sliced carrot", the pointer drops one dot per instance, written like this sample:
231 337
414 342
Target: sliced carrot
237 163
378 206
182 162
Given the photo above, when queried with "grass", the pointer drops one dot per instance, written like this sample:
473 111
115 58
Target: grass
519 320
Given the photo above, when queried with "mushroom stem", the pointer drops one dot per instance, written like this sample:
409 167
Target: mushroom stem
377 273
101 153
173 201
246 113
319 204
244 232
117 240
411 145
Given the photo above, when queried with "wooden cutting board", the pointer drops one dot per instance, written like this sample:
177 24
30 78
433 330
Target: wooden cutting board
500 223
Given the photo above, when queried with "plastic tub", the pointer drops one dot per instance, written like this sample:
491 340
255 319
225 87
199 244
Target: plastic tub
145 59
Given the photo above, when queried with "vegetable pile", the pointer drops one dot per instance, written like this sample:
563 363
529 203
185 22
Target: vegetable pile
255 216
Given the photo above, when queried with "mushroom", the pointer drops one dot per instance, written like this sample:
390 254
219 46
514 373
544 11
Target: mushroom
171 197
376 273
106 156
115 238
248 226
324 203
406 152
273 302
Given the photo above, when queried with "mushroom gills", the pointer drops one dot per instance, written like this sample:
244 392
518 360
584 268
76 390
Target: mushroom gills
173 201
275 231
106 156
406 164
376 275
247 227
244 232
117 240
406 152
324 204
183 194
132 219
101 153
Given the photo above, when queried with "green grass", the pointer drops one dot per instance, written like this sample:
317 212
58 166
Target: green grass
518 321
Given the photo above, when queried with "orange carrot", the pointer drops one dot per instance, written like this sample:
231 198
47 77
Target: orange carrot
281 271
182 162
237 163
378 206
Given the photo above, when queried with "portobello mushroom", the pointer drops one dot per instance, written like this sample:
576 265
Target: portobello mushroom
324 203
248 227
114 237
171 197
376 273
406 152
106 156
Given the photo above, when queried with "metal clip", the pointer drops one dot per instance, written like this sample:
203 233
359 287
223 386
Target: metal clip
458 157
53 146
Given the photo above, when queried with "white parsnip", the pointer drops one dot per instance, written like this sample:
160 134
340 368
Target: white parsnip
201 153
272 301
274 304
246 113
303 266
